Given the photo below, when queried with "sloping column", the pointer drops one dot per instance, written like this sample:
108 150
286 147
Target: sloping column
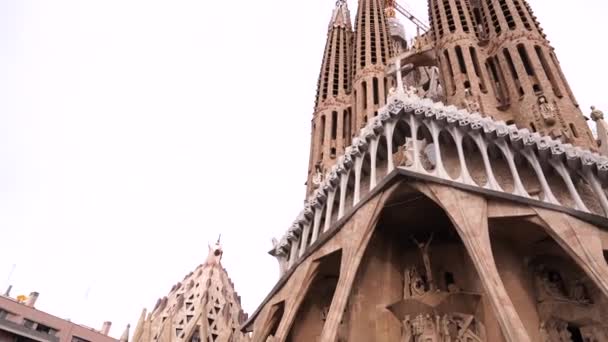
292 306
365 221
581 241
469 214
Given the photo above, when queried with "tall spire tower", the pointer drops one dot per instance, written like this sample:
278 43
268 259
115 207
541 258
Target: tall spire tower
372 52
332 123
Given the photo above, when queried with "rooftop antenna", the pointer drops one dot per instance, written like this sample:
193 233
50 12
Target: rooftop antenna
219 238
10 273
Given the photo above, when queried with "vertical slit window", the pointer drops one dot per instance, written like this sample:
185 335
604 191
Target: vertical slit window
375 89
336 61
364 94
449 15
461 63
344 123
462 16
522 15
564 81
322 130
478 72
548 73
513 71
334 124
507 14
523 54
494 17
450 70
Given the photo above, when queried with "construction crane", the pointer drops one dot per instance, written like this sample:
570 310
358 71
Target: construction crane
411 17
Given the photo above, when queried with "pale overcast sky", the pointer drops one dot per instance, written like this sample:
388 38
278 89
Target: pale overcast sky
133 132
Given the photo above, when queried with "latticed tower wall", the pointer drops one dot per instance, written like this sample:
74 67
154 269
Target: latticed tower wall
203 307
332 123
372 52
531 71
458 40
497 51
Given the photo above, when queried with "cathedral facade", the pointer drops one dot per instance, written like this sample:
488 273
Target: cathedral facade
454 193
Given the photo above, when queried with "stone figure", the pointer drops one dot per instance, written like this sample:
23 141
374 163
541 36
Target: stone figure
549 284
414 284
406 331
424 250
579 292
596 114
318 177
412 91
470 103
408 153
547 110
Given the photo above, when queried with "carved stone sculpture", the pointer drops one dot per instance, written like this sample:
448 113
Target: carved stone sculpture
547 110
424 250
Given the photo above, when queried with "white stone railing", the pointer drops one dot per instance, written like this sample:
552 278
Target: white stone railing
444 143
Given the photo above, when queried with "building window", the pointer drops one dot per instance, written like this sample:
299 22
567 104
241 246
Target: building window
29 324
46 329
334 124
4 314
376 91
79 339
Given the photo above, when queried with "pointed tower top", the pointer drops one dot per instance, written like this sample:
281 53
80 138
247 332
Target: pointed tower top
340 16
215 253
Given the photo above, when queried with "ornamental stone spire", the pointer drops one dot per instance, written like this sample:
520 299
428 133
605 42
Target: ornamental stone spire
204 306
332 123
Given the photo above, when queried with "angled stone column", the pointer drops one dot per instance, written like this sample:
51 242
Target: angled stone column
361 231
580 240
469 214
292 306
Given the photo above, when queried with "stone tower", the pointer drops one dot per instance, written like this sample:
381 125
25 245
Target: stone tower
372 51
332 123
484 218
202 307
494 56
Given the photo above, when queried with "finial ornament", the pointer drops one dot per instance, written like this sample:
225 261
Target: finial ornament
596 114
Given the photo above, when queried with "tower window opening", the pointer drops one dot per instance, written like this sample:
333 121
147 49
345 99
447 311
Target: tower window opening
564 81
532 127
336 71
494 17
513 71
376 90
332 153
364 95
385 89
547 69
496 80
345 78
462 15
573 129
523 54
438 19
507 13
449 15
326 66
461 63
334 124
482 82
522 15
322 129
450 70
